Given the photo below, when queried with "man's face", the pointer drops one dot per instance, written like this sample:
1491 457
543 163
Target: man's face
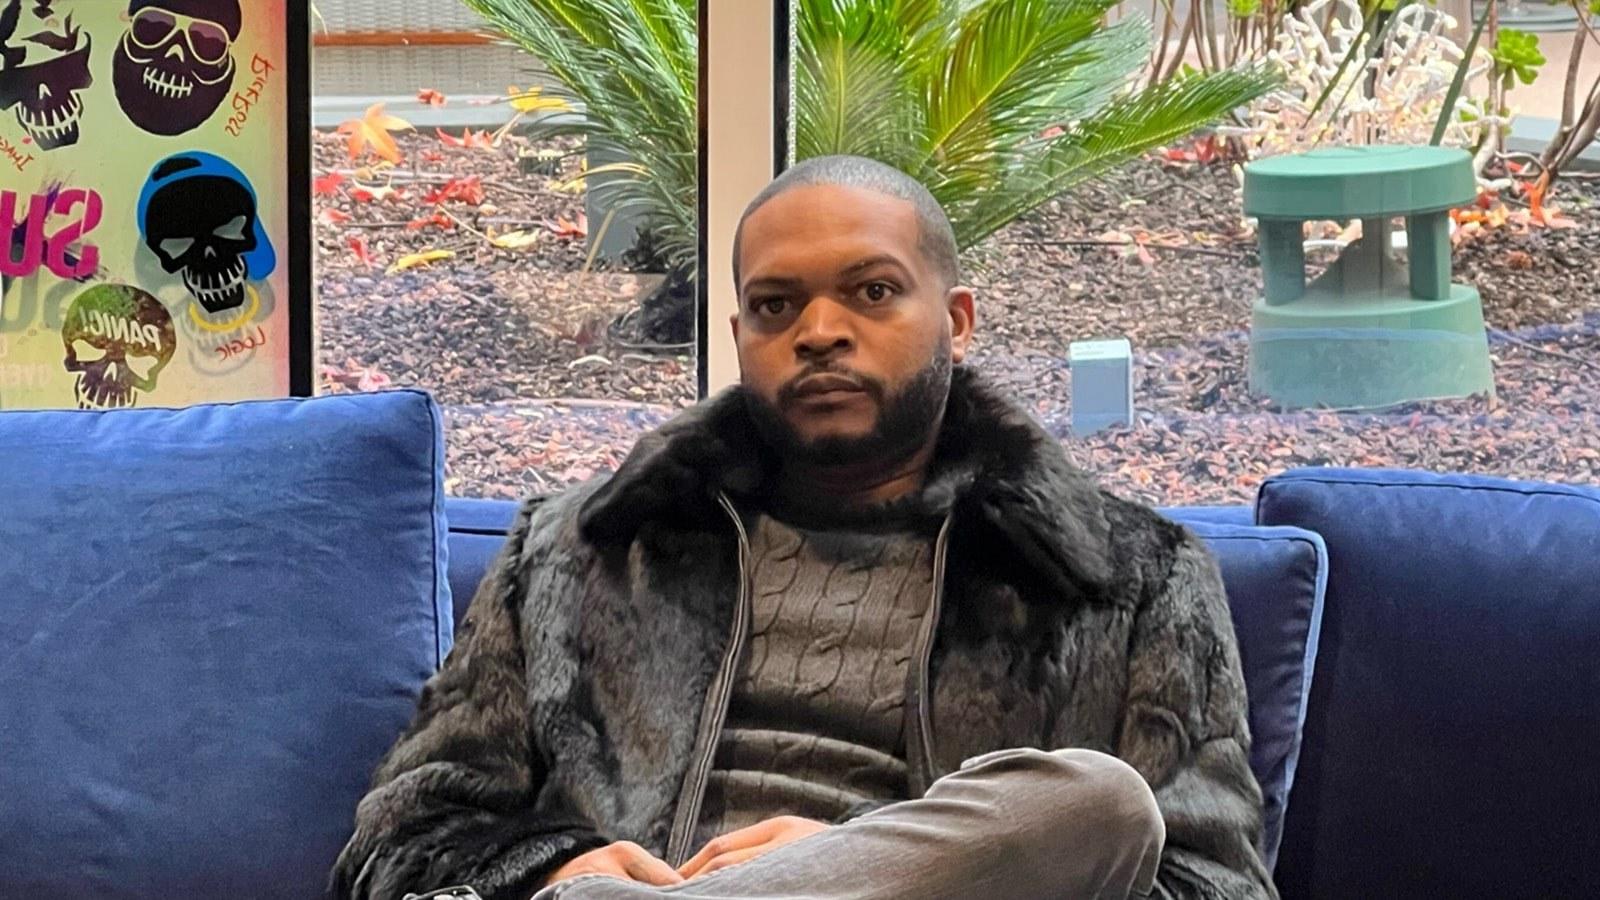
846 332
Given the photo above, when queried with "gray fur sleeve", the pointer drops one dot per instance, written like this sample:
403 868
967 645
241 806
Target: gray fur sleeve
454 801
1185 729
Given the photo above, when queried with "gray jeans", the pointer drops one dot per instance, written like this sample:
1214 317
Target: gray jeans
1011 825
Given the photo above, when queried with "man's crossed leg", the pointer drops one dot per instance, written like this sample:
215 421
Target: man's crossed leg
1012 825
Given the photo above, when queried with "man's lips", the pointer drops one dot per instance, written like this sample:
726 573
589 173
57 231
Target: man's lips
826 387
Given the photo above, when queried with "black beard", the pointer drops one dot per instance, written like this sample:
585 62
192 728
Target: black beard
906 420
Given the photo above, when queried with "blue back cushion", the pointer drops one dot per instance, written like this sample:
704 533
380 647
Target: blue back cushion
477 533
1450 748
213 623
1275 579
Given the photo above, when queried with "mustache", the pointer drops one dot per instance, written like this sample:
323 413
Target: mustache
790 391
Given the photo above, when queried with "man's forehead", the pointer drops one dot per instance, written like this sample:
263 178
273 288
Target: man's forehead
829 225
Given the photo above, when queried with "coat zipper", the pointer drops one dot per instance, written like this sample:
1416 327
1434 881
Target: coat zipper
930 629
692 797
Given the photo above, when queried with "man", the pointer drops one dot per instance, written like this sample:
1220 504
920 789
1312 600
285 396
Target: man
854 629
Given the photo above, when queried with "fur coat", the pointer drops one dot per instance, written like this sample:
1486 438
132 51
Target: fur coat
575 707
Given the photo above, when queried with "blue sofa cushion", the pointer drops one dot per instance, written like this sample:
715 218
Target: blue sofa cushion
1450 747
1275 579
477 532
213 623
1217 515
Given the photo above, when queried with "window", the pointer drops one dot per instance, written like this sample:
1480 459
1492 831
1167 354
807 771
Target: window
1158 251
464 249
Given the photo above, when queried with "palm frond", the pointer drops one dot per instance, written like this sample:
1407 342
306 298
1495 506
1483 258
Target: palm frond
1122 130
1005 55
958 93
630 67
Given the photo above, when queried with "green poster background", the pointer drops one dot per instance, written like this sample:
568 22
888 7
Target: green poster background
84 87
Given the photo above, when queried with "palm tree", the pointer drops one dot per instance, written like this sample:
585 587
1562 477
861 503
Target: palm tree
996 105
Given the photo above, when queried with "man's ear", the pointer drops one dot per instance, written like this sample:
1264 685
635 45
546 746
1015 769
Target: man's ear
962 320
733 323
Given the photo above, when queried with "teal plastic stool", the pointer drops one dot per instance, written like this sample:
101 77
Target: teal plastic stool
1368 332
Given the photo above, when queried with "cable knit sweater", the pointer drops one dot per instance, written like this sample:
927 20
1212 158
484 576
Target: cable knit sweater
816 725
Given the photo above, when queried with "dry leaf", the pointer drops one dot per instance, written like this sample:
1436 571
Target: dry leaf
372 131
515 240
358 246
364 194
467 190
567 229
332 216
430 97
439 220
413 260
533 100
470 140
327 185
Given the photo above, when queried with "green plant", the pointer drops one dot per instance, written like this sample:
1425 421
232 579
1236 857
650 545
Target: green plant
996 105
1516 57
630 67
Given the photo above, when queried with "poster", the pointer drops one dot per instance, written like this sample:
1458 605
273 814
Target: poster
153 156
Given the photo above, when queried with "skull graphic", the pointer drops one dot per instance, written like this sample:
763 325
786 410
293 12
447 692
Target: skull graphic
175 62
198 216
117 339
44 66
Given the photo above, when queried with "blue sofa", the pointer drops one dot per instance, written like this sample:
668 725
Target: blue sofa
213 622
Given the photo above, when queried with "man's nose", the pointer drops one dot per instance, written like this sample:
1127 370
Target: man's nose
823 329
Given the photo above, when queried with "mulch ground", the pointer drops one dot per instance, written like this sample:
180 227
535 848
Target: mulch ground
539 395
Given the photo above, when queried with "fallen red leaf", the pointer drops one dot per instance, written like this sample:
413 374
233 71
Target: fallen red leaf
358 245
438 220
567 229
1535 191
332 216
430 96
471 140
431 156
326 185
466 190
368 195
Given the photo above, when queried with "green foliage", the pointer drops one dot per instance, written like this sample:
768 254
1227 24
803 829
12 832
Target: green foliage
1516 55
630 67
1244 9
996 105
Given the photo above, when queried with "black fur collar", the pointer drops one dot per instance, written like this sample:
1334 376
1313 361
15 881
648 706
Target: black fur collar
994 467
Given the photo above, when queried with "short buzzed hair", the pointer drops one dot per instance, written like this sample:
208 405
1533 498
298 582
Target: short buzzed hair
938 239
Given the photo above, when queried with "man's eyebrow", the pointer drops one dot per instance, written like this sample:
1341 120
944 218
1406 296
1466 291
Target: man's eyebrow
785 282
881 259
775 282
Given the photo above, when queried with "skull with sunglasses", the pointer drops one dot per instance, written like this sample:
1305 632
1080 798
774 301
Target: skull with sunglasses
175 64
44 67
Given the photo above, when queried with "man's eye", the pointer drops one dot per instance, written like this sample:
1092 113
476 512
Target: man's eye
771 307
877 291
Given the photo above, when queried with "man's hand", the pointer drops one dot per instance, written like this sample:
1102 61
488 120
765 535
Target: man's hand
625 860
749 843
